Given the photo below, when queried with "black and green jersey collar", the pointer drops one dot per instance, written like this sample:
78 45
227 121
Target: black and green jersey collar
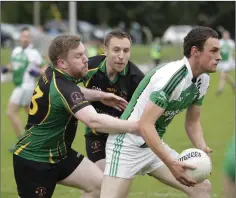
102 68
66 75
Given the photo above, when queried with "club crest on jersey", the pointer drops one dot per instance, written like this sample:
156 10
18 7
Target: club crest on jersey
41 192
96 146
76 97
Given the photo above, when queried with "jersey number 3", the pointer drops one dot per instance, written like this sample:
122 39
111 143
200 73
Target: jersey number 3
38 94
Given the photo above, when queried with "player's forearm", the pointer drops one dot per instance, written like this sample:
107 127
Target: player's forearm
195 134
92 95
8 68
152 139
108 124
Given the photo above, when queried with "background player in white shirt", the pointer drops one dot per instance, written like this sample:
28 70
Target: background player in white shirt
227 46
26 64
162 94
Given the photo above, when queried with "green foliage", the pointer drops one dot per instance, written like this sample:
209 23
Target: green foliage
157 15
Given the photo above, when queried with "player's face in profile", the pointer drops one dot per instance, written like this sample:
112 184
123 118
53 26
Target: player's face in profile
77 62
25 38
210 56
118 53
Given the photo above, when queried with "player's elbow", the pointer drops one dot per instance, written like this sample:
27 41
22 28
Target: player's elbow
94 123
143 126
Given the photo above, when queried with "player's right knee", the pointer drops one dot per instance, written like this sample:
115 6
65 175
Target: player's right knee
10 113
94 190
12 110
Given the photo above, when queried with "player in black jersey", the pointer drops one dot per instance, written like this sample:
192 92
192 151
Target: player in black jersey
113 73
43 157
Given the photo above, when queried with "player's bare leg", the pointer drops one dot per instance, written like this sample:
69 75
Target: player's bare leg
231 82
202 190
12 112
221 83
87 177
229 188
114 187
27 108
101 164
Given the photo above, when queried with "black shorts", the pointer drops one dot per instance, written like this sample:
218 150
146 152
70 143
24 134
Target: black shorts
95 146
38 179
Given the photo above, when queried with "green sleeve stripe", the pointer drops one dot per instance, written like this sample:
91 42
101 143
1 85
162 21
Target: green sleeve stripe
159 98
175 80
199 101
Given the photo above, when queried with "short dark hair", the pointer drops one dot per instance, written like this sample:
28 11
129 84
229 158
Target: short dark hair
197 37
117 34
61 45
24 29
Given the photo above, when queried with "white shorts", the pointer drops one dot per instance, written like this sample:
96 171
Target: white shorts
6 77
22 96
225 66
125 158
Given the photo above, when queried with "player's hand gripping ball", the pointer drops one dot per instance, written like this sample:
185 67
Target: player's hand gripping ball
198 159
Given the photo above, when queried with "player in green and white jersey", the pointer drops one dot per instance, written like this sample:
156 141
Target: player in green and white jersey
227 46
162 94
26 64
229 170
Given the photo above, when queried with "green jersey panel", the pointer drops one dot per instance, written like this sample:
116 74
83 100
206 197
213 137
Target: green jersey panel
51 126
19 65
171 87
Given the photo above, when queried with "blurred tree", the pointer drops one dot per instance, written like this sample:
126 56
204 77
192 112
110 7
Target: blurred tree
157 15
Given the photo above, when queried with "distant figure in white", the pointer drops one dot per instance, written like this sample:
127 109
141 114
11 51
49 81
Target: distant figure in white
25 65
227 63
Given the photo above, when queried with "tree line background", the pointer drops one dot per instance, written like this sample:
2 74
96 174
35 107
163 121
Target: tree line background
158 16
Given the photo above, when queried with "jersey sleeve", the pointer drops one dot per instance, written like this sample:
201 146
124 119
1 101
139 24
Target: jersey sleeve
35 58
203 84
232 44
163 83
14 51
71 95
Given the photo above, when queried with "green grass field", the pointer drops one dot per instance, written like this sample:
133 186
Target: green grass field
217 120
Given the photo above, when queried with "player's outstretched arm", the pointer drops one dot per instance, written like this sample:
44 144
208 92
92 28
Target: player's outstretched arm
194 129
105 123
108 99
149 133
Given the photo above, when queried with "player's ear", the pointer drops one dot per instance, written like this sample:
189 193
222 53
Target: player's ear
195 51
61 63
